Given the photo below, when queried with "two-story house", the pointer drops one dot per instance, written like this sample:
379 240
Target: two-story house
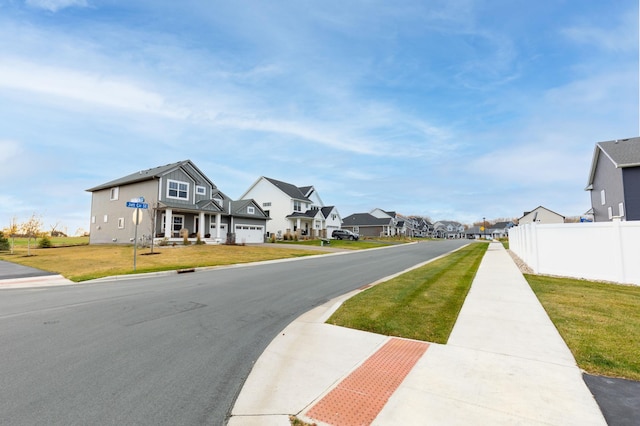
293 210
614 180
448 229
398 227
179 200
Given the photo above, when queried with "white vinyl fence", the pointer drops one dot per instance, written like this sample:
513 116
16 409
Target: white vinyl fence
607 251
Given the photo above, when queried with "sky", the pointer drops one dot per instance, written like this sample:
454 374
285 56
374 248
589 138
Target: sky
451 109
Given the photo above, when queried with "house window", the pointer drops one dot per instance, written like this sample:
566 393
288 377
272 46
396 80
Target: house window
296 206
610 211
176 189
201 190
93 219
621 209
176 226
105 219
121 223
251 210
602 198
113 194
268 204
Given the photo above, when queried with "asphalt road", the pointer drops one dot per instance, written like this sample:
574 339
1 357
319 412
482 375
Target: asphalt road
171 350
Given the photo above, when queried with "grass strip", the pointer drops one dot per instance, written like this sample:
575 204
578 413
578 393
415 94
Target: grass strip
422 304
600 322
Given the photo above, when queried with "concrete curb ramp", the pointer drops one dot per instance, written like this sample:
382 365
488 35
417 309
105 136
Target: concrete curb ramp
505 363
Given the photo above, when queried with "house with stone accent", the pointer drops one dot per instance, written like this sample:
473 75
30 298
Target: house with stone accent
180 200
294 210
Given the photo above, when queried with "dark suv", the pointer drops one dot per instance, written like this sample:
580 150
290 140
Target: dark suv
344 234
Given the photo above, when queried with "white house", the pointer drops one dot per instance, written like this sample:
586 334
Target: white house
293 210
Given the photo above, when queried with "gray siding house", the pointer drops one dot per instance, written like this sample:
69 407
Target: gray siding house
367 225
614 180
181 200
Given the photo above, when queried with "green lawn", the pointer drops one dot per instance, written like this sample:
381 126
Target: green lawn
422 304
600 322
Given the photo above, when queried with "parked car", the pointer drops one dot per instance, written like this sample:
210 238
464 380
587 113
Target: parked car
344 234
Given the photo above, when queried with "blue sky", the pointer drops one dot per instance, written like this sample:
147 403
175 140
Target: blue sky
454 109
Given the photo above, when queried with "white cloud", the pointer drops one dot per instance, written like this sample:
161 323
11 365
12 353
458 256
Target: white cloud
10 158
55 5
618 36
77 85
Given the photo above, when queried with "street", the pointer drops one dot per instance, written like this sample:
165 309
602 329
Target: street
166 349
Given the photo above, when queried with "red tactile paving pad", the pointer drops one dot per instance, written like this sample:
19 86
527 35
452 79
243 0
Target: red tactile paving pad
360 397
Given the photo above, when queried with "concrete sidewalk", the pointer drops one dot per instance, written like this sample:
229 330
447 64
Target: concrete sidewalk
504 364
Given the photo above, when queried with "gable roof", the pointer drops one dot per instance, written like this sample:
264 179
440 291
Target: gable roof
538 208
326 210
365 219
149 174
622 153
238 207
292 190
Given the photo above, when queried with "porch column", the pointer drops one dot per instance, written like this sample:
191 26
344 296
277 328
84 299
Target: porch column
201 225
298 230
218 217
168 223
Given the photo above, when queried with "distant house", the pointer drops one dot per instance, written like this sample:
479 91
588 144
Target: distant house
294 210
368 225
541 215
614 180
448 229
179 200
424 228
501 229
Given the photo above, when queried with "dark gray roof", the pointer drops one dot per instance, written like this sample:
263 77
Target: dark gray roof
502 225
308 214
365 219
326 211
291 190
622 153
148 174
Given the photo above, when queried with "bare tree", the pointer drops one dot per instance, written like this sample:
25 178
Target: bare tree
54 232
31 229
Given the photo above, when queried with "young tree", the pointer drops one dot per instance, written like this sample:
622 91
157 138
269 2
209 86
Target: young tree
31 229
13 231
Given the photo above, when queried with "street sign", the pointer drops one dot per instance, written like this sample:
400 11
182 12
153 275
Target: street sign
135 205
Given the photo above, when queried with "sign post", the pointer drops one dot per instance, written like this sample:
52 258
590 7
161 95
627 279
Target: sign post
137 204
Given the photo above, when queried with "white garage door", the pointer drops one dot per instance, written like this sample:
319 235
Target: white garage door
249 234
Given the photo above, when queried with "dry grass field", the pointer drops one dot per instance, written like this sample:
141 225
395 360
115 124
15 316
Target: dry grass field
85 262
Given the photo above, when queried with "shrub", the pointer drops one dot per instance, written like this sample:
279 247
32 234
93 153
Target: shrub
4 242
45 242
